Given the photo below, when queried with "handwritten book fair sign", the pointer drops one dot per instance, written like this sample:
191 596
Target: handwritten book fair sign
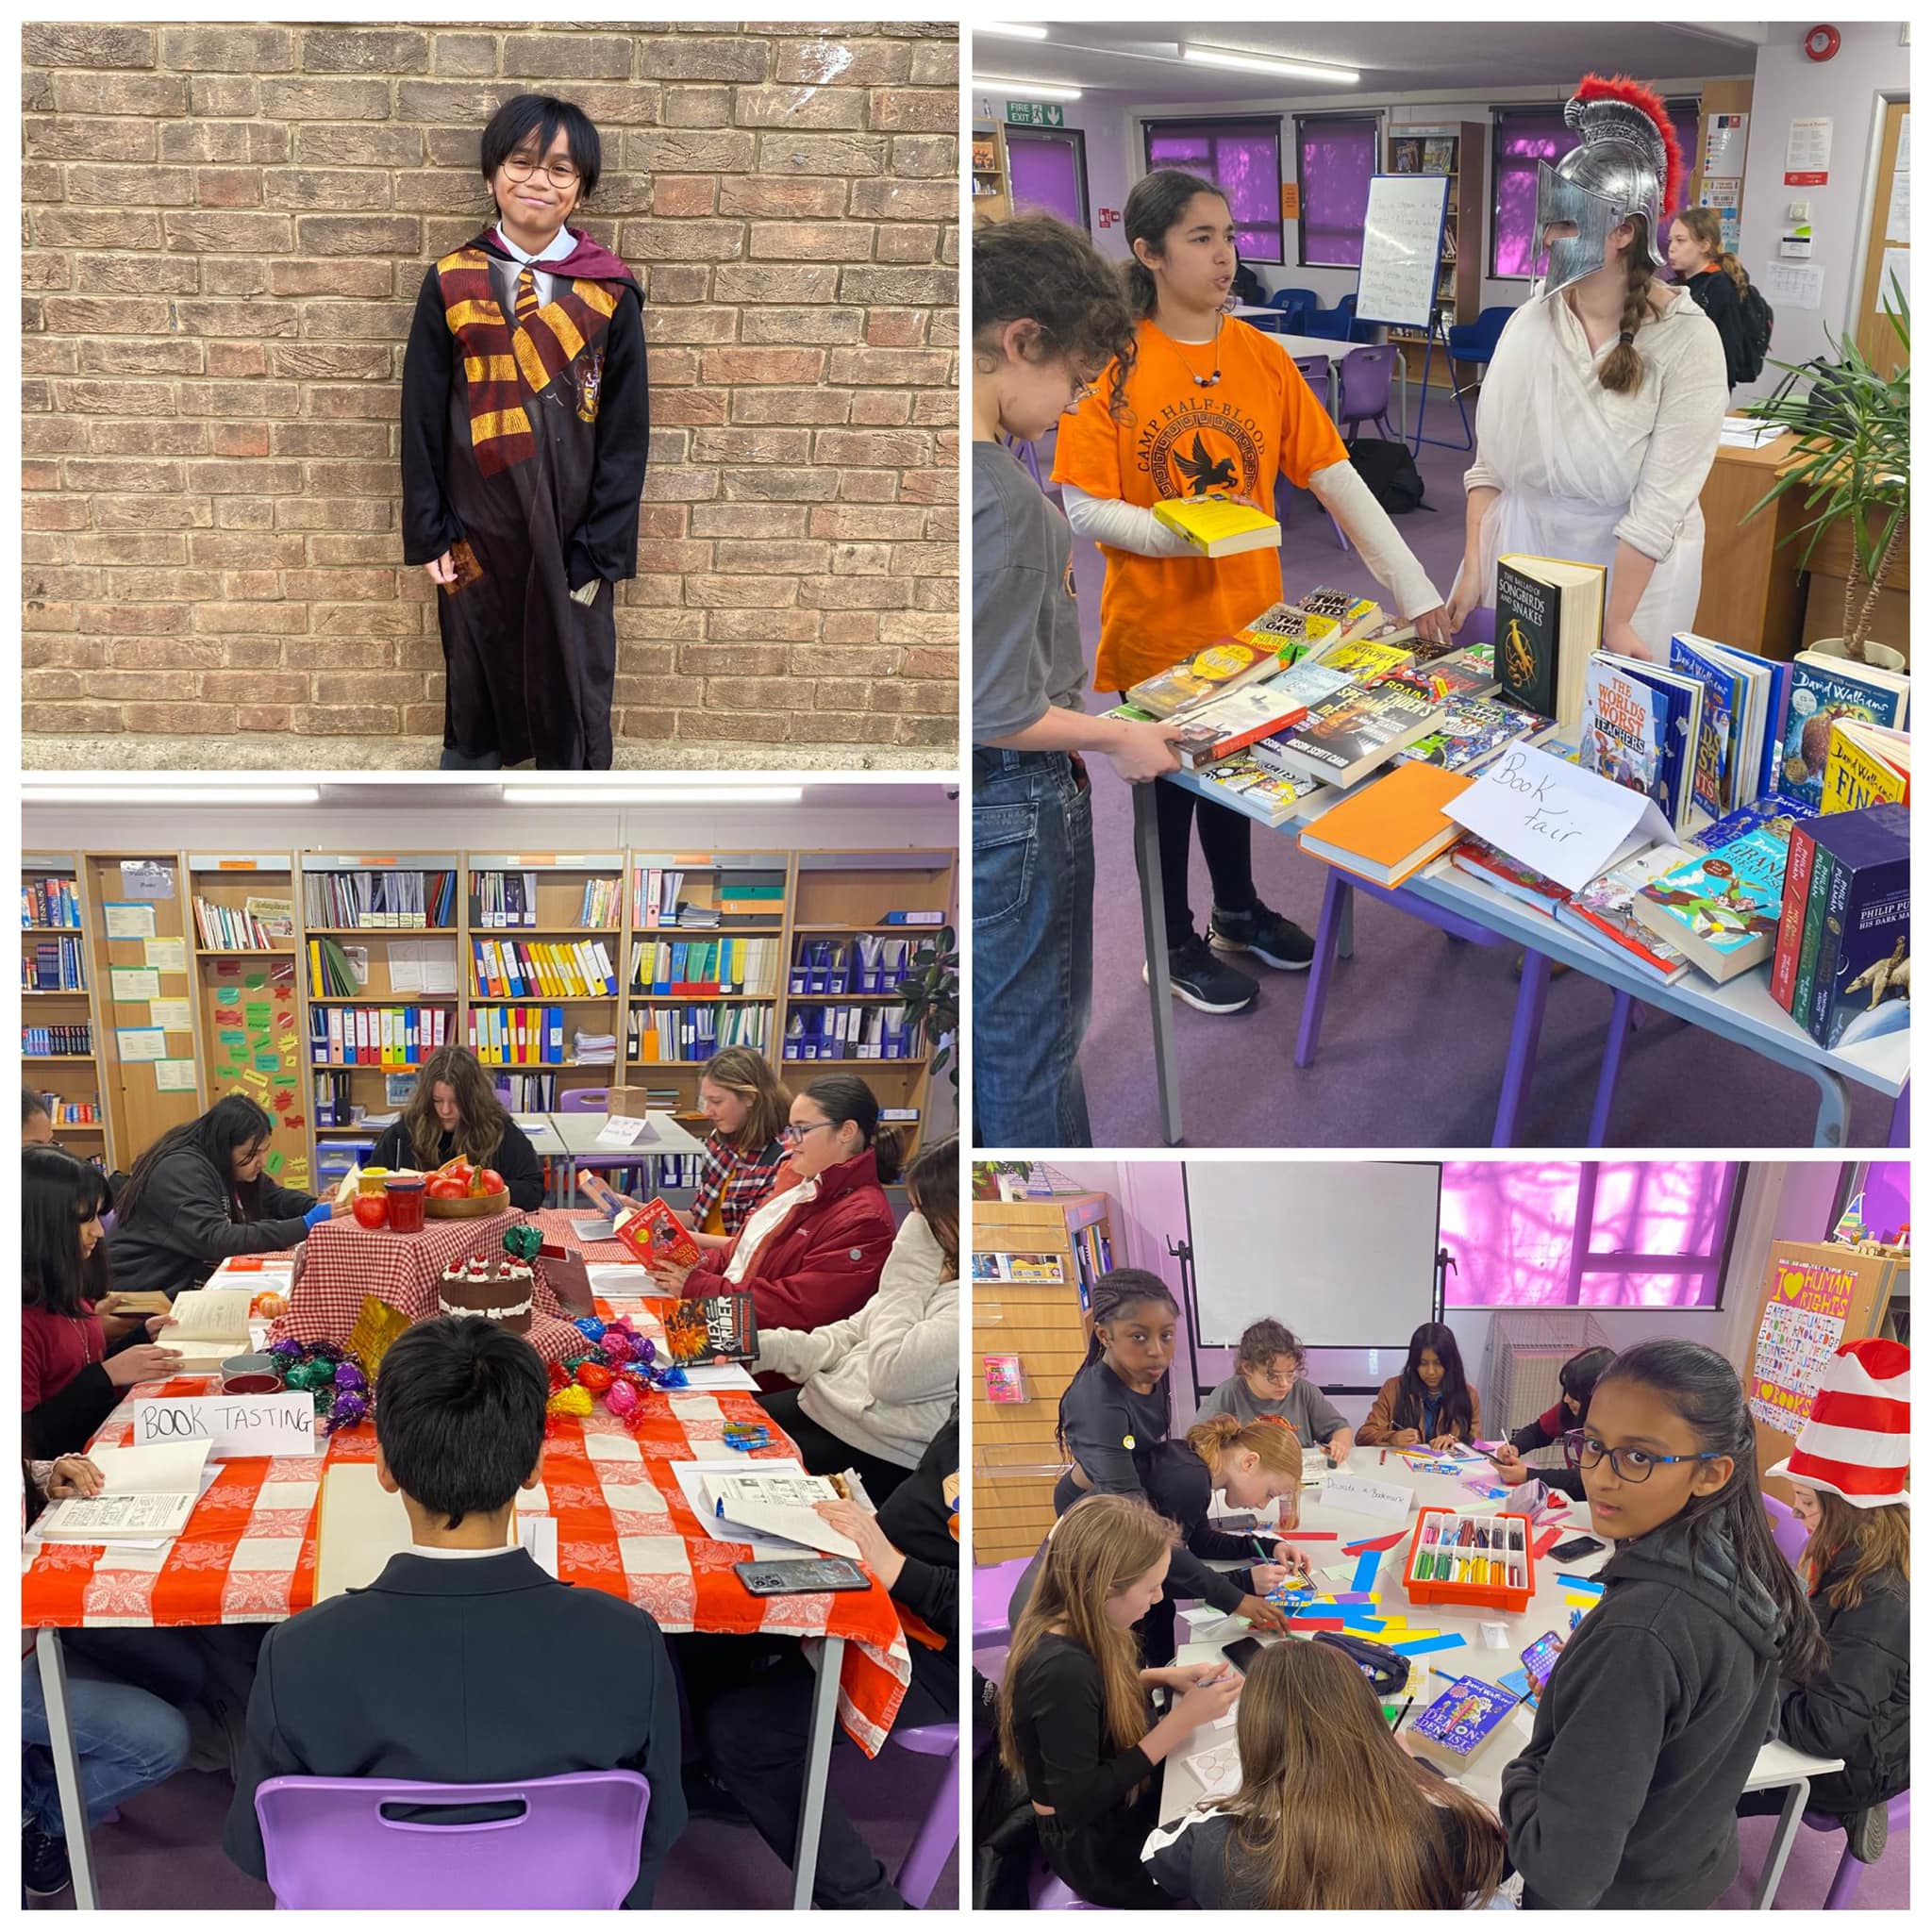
1802 1325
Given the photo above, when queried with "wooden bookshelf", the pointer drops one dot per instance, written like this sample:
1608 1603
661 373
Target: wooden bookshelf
839 892
252 1025
63 1079
141 887
1016 1460
993 181
1460 270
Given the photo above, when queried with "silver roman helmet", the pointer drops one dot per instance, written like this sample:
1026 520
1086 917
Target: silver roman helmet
1626 163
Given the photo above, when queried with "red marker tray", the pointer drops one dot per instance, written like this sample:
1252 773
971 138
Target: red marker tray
1511 1567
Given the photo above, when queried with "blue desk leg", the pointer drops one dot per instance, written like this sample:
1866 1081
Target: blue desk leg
1524 1037
1335 901
1781 1840
1902 1118
1153 937
1613 1061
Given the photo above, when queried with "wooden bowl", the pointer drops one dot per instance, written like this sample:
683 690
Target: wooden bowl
467 1206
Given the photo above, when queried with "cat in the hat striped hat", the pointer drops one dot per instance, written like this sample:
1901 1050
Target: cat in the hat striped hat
1849 1473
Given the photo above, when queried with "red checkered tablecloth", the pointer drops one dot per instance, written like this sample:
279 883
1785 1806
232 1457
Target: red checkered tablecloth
345 1262
623 1526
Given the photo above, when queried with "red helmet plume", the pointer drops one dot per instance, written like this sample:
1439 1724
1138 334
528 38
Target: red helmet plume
1620 87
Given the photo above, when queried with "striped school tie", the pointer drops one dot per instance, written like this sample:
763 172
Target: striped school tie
528 303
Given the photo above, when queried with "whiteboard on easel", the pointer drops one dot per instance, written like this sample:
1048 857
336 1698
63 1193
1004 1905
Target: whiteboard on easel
1402 248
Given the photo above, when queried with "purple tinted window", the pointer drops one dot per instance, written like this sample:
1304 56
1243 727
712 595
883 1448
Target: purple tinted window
1521 138
1242 158
1337 157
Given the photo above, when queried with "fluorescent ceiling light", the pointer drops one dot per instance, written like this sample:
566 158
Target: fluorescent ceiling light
1036 90
656 794
107 793
1267 63
1008 30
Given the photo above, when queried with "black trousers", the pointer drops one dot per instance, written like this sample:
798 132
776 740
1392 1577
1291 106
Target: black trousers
1226 843
824 1454
751 1709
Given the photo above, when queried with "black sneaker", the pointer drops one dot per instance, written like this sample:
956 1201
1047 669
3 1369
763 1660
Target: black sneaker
43 1862
1204 982
1868 1831
1272 939
704 1797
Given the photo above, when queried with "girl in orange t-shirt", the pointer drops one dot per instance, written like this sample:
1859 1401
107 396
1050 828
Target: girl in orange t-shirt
1209 405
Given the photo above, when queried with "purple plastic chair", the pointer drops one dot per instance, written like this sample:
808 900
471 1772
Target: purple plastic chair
993 1584
575 1847
1844 1881
1366 376
939 1832
1787 1532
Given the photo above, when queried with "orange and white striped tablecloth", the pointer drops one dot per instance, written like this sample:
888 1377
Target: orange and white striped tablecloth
623 1526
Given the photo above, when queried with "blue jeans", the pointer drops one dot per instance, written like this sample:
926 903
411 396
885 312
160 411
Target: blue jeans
128 1738
1032 947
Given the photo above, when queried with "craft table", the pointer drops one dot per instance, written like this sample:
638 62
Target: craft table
1741 1010
248 1556
1777 1766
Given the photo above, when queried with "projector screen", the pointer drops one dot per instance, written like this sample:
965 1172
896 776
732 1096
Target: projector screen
1342 1251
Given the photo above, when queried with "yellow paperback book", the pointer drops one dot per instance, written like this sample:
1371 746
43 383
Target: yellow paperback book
1219 526
1364 662
1865 765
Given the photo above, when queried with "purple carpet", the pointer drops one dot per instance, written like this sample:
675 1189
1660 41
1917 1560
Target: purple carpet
1417 1026
165 1853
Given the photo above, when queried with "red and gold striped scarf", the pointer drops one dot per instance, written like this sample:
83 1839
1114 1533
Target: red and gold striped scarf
508 365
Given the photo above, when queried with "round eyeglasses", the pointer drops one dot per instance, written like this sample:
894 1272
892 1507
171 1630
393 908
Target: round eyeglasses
792 1134
1583 1451
520 167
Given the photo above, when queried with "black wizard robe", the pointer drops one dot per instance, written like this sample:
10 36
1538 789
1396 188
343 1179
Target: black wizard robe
523 453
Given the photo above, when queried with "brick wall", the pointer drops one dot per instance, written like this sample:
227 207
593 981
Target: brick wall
228 228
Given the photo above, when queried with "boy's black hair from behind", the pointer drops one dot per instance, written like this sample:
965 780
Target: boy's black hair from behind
544 114
1040 269
459 1415
31 1104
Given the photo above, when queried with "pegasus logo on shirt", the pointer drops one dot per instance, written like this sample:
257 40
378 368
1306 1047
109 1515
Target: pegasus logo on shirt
1202 448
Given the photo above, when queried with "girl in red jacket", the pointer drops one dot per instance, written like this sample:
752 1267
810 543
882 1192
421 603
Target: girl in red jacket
812 1251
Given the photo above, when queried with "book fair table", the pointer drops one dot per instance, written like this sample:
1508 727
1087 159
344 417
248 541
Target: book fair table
1557 1595
248 1555
1741 1010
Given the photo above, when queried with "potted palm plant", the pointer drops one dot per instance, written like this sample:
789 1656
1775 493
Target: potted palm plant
1853 465
930 999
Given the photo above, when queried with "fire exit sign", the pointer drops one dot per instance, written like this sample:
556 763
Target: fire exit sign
1035 114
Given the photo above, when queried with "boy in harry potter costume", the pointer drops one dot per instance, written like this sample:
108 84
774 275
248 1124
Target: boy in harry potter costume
526 424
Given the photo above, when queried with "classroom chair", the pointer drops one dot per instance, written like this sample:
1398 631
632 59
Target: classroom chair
575 1847
591 1100
1844 1881
993 1584
1476 342
939 1832
1787 1532
1296 306
1366 378
1337 324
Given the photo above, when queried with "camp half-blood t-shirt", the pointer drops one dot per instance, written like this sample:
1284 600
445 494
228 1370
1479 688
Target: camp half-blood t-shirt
1175 439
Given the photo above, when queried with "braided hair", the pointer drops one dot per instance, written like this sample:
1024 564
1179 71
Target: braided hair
1113 1294
1623 370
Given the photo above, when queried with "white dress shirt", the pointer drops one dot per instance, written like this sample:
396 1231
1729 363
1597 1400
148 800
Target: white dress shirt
560 244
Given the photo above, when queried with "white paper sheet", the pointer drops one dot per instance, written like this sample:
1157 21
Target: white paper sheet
128 920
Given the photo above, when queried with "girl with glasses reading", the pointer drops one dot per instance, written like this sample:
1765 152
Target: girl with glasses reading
812 1251
526 417
1653 1716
